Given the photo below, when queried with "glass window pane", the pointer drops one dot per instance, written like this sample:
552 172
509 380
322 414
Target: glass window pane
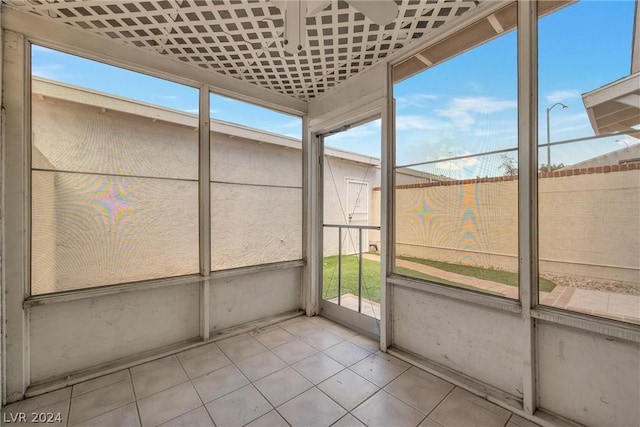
456 171
114 179
589 160
256 186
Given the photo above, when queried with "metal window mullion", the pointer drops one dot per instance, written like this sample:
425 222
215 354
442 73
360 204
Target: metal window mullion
339 264
16 216
387 210
312 218
359 270
528 190
204 214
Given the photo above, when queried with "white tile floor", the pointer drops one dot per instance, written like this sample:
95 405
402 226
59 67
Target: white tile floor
301 372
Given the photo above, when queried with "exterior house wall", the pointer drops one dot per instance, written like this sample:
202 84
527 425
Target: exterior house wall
336 173
256 202
112 211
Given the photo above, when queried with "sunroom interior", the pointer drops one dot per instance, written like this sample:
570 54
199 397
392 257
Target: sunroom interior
397 176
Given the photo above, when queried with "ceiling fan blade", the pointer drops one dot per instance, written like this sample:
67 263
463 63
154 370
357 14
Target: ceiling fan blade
381 12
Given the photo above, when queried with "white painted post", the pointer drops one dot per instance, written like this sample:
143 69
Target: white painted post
204 197
387 195
16 207
528 189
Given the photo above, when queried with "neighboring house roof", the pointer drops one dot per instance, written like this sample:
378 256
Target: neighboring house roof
624 155
616 107
44 88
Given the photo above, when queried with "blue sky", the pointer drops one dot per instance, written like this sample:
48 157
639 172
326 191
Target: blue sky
463 106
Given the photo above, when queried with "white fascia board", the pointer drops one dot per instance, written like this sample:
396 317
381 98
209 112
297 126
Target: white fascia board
84 43
52 89
609 93
613 90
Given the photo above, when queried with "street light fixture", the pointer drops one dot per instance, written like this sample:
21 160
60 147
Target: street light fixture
564 107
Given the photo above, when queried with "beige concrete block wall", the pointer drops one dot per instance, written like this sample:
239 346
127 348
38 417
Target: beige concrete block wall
589 224
474 224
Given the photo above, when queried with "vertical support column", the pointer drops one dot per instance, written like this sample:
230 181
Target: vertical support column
528 190
339 264
2 122
387 206
312 227
359 270
204 196
16 213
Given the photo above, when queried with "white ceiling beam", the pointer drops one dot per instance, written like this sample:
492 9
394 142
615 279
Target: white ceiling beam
83 43
483 9
497 26
424 59
632 100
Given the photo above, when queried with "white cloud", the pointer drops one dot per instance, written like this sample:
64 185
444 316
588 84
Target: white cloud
48 71
414 100
413 122
462 111
562 95
367 132
293 123
478 104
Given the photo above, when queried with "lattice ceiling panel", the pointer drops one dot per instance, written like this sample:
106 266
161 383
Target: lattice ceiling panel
243 39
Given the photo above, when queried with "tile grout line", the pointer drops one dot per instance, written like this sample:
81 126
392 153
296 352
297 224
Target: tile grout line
135 396
441 400
508 419
275 408
68 410
250 382
110 410
194 389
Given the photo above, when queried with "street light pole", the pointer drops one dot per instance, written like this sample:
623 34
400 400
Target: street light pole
549 133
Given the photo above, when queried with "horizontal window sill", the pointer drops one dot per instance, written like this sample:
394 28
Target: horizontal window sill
610 327
463 295
86 293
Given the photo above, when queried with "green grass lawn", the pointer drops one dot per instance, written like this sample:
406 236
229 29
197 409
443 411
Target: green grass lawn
499 276
371 275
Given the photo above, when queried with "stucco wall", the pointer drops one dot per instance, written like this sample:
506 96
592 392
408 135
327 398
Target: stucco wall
256 202
588 224
115 197
335 207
